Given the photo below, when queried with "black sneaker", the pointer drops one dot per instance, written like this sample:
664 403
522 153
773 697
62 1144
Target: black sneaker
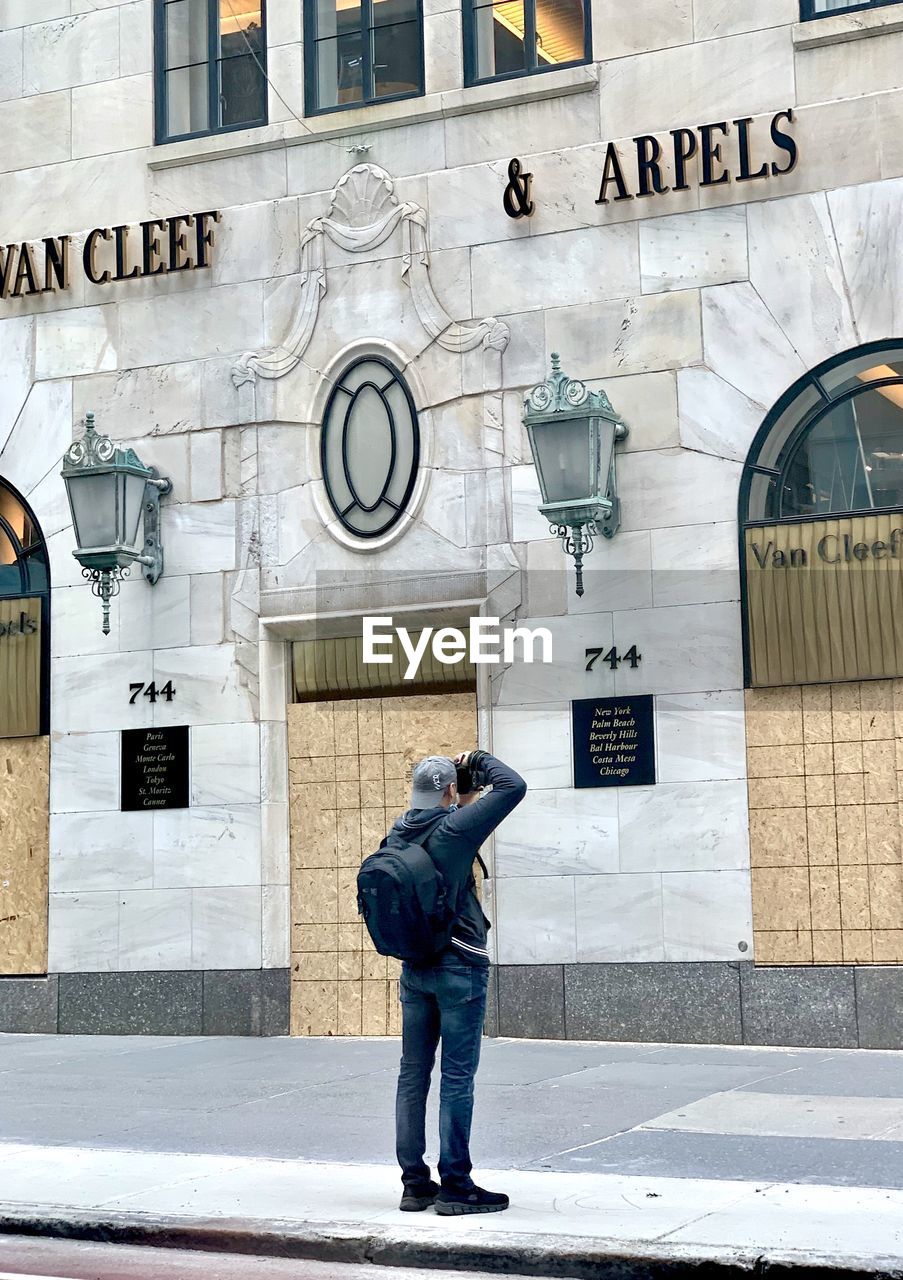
416 1199
476 1200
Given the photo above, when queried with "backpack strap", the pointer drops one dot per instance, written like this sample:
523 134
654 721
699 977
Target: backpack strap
483 866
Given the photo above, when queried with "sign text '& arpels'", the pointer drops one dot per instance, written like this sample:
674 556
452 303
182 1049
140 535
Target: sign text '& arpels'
128 252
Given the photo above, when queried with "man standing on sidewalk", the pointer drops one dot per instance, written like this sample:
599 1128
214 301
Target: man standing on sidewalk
446 998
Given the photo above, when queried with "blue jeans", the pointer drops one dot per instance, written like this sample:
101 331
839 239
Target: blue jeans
446 1002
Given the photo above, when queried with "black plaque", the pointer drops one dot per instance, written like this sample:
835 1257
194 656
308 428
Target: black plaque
155 768
613 741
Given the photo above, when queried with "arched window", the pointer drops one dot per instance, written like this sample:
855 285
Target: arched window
833 444
370 447
24 619
821 526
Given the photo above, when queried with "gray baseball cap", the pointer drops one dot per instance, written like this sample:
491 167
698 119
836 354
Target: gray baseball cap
429 780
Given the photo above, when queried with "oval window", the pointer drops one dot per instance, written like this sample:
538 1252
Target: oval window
369 447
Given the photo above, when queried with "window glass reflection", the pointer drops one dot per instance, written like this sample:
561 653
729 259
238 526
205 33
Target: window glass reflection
213 74
852 460
516 37
364 53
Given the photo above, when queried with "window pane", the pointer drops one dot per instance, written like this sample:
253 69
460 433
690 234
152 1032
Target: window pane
242 91
186 32
499 38
559 32
339 70
388 12
396 59
237 16
832 6
186 100
853 459
36 567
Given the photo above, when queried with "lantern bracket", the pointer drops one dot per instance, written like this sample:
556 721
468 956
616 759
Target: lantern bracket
151 559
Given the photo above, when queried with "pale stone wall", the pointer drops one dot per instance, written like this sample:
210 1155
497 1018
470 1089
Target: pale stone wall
696 310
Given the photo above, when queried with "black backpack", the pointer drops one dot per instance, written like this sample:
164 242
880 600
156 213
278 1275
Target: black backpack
405 901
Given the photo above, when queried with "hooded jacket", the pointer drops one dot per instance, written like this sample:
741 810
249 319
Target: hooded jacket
452 838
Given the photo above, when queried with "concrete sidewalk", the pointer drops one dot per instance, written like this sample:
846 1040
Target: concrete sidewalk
647 1155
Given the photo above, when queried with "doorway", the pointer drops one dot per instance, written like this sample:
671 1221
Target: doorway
350 765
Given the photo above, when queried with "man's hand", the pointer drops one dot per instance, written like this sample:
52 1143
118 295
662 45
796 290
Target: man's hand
462 757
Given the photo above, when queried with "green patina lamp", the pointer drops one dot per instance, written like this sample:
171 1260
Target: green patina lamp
573 432
110 490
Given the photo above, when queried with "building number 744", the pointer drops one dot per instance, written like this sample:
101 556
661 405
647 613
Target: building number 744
613 658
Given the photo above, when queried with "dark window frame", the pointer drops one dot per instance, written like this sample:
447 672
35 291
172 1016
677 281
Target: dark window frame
311 41
161 137
470 46
27 592
828 399
338 386
808 12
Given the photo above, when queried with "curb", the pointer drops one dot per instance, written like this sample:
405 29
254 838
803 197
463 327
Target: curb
567 1258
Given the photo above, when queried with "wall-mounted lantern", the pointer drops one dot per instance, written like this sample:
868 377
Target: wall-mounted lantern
572 433
110 490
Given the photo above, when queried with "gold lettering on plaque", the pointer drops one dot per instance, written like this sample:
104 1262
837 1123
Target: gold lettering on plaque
824 599
20 667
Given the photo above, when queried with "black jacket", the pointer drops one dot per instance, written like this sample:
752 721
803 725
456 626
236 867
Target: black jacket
452 838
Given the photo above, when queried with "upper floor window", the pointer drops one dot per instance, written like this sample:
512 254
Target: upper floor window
211 66
824 8
362 51
523 37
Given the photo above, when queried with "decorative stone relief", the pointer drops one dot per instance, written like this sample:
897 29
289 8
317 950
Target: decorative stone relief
363 213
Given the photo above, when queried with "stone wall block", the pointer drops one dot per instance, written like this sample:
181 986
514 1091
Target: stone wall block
37 132
285 72
639 335
849 70
715 417
113 116
136 50
69 343
531 1001
536 920
659 90
77 50
745 345
11 64
47 416
442 44
539 126
151 401
692 250
567 269
796 1006
673 1003
865 225
793 254
644 26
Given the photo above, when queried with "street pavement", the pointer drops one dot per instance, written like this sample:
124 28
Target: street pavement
664 1151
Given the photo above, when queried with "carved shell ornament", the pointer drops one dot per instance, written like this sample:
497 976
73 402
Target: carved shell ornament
361 199
364 210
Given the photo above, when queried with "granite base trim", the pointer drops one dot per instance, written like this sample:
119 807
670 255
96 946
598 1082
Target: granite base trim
705 1002
234 1002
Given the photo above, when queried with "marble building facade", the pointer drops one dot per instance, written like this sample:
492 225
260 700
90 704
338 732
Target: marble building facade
622 913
